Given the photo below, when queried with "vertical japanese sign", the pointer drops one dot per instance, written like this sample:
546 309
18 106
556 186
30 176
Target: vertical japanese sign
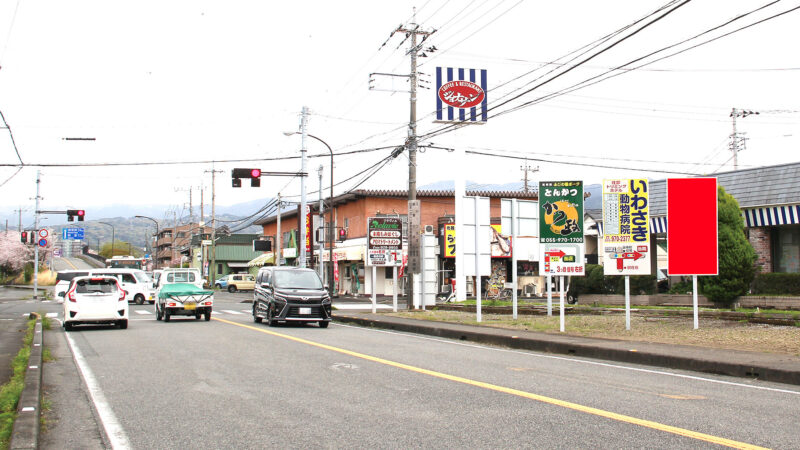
692 226
626 227
449 240
561 246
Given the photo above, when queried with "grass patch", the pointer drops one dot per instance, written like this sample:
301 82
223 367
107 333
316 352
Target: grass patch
11 391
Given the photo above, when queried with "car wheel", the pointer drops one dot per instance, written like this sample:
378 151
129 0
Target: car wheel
197 316
256 319
122 324
67 326
231 289
159 315
323 324
152 302
139 299
166 315
219 286
208 314
270 320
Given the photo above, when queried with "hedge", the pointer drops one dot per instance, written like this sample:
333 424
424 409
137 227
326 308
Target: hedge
777 284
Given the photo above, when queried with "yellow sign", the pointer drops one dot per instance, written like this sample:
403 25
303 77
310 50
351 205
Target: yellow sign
450 240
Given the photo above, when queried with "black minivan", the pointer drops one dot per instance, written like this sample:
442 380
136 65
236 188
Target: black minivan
290 294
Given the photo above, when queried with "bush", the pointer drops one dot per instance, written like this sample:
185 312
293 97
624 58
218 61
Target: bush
594 282
777 284
28 274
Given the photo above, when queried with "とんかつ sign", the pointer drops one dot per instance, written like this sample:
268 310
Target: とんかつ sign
561 249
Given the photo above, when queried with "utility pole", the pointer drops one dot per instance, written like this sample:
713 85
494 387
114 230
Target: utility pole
525 169
278 237
212 271
302 244
321 222
737 142
412 31
202 217
36 240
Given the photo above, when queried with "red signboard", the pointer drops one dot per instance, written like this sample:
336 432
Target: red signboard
692 226
461 94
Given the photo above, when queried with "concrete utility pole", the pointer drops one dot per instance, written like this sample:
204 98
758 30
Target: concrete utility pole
412 31
36 239
278 237
321 241
737 142
302 244
525 169
202 216
212 271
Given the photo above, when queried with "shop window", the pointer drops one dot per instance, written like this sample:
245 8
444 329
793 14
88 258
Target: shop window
787 249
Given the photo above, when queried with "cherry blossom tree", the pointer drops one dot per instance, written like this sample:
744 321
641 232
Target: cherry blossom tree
13 253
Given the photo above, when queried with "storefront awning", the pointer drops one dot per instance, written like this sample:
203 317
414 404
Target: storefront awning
351 253
266 258
238 265
772 215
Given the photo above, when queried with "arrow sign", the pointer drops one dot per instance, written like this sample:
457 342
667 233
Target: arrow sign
560 253
622 257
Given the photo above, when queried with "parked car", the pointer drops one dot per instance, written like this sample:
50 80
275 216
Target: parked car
239 282
95 300
222 282
286 294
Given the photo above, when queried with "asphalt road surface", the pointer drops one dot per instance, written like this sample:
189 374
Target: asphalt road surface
231 383
60 264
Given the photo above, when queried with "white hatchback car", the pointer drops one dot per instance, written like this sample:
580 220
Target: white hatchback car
95 300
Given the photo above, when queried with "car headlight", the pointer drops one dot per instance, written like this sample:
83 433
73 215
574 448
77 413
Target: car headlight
326 299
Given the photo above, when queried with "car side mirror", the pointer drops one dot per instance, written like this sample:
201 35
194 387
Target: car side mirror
62 294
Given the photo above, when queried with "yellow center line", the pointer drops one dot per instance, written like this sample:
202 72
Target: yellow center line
540 398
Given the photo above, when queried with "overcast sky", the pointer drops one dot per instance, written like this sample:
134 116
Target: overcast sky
183 81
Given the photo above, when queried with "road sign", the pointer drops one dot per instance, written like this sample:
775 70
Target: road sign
692 226
43 242
626 227
57 253
43 233
561 228
72 233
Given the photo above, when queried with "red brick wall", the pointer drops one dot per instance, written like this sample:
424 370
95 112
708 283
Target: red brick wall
761 241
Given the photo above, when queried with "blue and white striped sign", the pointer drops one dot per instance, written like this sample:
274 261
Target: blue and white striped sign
461 95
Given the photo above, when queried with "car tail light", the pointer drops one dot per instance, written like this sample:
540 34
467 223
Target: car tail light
172 304
121 293
207 303
71 295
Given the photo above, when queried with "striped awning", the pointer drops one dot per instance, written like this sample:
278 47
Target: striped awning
772 215
658 225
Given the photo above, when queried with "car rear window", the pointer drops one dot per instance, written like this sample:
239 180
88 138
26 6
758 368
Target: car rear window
180 277
67 276
99 285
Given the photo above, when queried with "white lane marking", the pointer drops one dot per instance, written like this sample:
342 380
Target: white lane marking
580 361
52 315
140 311
358 306
246 311
114 431
229 311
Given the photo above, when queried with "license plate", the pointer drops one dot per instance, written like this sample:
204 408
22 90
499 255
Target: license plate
190 305
305 310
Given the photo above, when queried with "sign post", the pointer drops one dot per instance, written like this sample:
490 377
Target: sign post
626 232
692 240
561 233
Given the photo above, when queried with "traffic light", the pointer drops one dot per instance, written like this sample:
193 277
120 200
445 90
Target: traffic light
253 174
24 237
71 213
342 234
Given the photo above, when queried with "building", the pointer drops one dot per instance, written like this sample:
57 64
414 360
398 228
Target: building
351 212
171 240
231 253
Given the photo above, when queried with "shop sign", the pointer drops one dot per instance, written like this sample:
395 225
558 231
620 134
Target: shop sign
626 227
500 244
384 241
692 242
561 228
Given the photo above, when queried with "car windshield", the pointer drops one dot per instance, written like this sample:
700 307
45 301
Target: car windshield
96 285
297 279
180 277
142 277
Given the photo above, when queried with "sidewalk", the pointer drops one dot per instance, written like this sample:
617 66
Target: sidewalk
762 366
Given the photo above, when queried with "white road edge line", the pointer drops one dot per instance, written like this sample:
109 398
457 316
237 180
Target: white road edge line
562 358
116 434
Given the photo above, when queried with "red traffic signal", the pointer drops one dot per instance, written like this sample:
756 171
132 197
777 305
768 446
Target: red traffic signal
71 213
239 173
24 237
342 234
255 173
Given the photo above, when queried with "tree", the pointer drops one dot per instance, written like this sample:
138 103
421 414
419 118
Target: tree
121 248
13 253
736 255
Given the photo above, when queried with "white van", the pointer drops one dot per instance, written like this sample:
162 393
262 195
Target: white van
62 281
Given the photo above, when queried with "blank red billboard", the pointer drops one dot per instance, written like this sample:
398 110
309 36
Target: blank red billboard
692 226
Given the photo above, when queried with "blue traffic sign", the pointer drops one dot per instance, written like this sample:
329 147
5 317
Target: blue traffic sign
43 242
72 233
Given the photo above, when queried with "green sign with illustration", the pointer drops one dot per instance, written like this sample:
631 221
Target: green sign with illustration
561 212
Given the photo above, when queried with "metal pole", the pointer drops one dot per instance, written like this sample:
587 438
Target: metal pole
302 244
374 285
212 271
278 237
394 283
549 295
514 232
477 261
36 240
561 293
694 301
627 302
322 241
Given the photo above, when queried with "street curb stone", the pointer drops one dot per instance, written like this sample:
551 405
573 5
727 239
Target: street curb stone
774 368
25 434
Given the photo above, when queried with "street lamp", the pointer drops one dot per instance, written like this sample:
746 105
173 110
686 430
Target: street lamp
155 264
113 235
330 213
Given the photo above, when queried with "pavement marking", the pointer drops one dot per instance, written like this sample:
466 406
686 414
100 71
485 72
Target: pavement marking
575 360
359 306
142 311
506 390
114 431
52 315
229 311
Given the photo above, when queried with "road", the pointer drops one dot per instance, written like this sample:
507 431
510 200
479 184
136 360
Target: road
235 384
60 264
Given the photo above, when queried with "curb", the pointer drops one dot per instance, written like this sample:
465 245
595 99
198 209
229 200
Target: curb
504 338
25 434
